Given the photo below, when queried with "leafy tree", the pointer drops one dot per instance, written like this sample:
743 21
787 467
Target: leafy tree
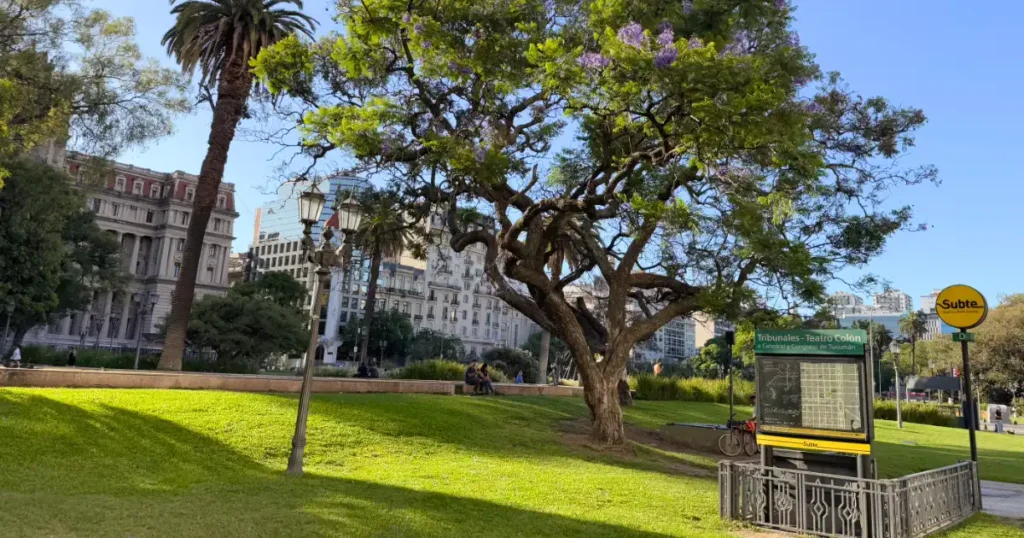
389 326
996 356
913 326
880 337
218 38
54 255
63 66
711 361
276 286
672 144
246 330
428 344
511 360
939 356
383 232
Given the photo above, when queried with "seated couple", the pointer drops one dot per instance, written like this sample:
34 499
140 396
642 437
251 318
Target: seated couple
479 378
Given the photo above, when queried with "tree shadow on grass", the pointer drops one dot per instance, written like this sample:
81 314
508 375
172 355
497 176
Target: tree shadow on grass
110 471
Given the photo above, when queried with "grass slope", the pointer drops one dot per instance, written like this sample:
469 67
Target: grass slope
179 463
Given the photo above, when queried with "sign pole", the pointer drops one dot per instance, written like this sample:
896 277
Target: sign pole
969 410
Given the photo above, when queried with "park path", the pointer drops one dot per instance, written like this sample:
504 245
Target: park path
1002 499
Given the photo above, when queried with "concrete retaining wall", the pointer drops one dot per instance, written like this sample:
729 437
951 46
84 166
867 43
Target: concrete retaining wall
125 379
702 437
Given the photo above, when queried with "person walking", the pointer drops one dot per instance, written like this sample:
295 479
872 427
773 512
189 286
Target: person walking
72 358
16 357
519 378
657 368
999 419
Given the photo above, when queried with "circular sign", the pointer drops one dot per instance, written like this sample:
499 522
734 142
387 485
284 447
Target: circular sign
961 306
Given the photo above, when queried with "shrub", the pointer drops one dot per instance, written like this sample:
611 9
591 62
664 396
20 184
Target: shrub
651 387
327 371
433 370
918 413
511 360
87 357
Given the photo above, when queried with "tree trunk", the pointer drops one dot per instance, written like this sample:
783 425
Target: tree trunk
371 299
232 92
545 348
625 396
18 336
602 397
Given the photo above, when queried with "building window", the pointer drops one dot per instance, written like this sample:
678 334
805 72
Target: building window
216 225
263 249
133 213
119 183
149 216
154 191
184 218
115 209
222 201
96 202
295 259
419 309
177 269
181 245
190 194
463 314
209 274
474 332
465 299
137 187
344 316
305 272
405 307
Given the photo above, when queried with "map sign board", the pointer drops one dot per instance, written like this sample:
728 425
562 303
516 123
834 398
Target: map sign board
811 384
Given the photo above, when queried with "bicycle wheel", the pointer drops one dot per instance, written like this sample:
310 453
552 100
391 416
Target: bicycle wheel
729 444
750 444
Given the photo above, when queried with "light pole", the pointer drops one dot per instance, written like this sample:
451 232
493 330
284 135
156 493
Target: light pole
311 205
894 348
7 325
144 308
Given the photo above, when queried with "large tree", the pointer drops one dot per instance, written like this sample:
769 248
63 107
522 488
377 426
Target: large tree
913 326
999 352
677 145
245 330
54 257
391 330
218 38
69 70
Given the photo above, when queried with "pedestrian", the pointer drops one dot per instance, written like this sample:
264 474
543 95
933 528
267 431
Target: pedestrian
657 368
72 358
16 357
519 378
485 380
999 419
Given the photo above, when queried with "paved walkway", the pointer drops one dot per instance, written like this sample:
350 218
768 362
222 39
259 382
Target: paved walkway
1002 499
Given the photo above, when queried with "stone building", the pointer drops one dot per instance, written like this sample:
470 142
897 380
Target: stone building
148 212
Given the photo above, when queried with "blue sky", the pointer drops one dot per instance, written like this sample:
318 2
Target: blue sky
961 65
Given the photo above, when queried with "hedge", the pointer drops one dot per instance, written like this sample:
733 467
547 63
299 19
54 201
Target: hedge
695 389
918 413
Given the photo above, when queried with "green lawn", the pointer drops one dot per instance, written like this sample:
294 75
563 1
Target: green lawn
178 463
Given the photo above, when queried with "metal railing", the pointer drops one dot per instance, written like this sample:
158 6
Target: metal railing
830 505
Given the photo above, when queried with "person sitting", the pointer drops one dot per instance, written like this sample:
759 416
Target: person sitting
362 371
473 377
485 380
519 378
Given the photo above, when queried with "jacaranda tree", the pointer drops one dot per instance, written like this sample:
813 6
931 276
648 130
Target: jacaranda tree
677 146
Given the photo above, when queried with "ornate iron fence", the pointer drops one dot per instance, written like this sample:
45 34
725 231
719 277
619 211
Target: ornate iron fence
830 505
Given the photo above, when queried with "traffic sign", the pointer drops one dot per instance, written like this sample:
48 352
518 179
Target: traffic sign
961 306
963 337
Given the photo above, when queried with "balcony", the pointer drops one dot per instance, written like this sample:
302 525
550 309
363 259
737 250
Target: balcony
445 285
419 317
476 322
476 305
430 315
494 325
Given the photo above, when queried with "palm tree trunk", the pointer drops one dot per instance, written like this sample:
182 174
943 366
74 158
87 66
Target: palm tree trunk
232 93
371 298
913 357
545 348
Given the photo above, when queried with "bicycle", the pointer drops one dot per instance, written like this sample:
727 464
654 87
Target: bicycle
741 437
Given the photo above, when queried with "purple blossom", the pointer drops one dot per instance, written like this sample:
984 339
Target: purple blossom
406 18
426 44
418 28
633 34
385 146
739 46
665 57
593 60
452 66
695 43
687 7
793 40
812 107
480 154
666 37
780 4
466 70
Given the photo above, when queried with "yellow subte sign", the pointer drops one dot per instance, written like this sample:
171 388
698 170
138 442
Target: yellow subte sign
820 445
961 306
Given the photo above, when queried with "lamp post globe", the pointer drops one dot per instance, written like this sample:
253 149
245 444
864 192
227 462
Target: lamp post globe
350 213
311 205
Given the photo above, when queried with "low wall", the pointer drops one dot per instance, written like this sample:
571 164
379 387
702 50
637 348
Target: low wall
133 379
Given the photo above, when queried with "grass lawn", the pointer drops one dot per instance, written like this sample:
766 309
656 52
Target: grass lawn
140 463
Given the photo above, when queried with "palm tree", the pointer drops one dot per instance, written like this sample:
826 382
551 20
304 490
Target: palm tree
218 38
383 233
913 326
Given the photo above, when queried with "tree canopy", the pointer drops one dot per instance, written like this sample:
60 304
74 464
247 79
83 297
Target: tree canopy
63 66
246 330
691 153
391 335
276 286
428 344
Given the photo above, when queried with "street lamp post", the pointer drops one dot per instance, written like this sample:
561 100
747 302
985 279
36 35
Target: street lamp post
894 347
311 205
7 325
145 308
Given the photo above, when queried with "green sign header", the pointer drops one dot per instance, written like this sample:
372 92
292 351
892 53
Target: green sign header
963 337
811 342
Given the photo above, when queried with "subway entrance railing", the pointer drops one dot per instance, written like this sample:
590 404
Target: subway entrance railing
830 505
